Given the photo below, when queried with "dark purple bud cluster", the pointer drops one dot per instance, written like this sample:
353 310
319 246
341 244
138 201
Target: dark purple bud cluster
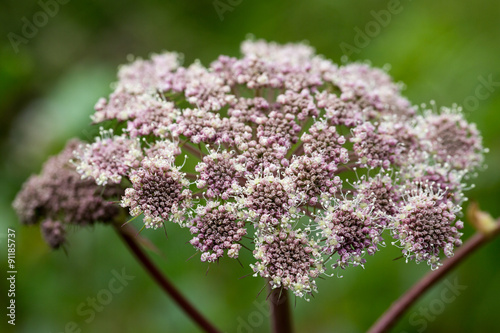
219 173
350 230
290 260
325 140
381 194
313 177
271 200
425 227
373 147
159 191
54 233
59 196
217 228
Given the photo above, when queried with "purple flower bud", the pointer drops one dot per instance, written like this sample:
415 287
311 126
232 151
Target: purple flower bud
159 191
350 230
289 260
425 226
217 228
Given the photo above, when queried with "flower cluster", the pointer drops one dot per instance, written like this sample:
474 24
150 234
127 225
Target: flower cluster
108 158
311 160
59 197
158 191
349 230
219 173
381 194
288 259
217 228
270 201
425 226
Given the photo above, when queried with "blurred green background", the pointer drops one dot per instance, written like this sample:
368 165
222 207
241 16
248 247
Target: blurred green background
440 50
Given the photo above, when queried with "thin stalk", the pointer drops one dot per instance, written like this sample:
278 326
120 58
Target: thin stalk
281 318
190 176
127 233
197 153
307 212
299 150
399 307
347 167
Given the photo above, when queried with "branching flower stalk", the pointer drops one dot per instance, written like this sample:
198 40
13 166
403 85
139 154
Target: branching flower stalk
399 307
311 160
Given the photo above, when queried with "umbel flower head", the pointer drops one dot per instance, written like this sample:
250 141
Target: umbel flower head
158 191
426 226
311 160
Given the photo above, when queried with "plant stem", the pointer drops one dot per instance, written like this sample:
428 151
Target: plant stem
196 153
127 233
399 307
299 150
347 167
191 176
279 303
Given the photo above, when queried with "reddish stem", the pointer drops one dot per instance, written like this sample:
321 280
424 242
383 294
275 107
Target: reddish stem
399 307
127 233
194 151
281 319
